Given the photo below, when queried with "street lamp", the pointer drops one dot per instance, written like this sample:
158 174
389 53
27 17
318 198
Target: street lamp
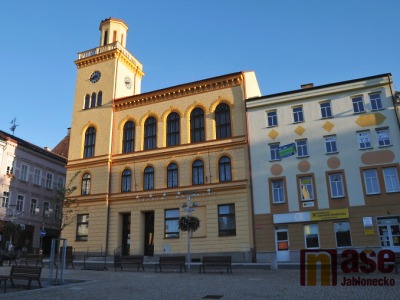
13 216
46 213
189 207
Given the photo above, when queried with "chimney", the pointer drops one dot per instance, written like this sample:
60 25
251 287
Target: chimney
307 86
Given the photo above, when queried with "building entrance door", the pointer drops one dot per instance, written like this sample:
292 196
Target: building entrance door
149 233
389 233
282 244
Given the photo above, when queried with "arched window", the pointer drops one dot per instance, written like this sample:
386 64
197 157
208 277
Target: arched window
224 168
128 140
150 133
197 172
197 125
223 121
148 178
90 140
99 98
126 181
87 101
173 129
85 184
172 175
93 101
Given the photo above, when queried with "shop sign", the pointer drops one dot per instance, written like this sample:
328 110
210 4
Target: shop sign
331 214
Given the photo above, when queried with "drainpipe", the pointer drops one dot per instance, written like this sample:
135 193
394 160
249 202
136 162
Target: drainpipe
395 105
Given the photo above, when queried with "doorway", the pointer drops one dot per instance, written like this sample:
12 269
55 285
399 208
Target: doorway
149 233
282 244
126 234
389 233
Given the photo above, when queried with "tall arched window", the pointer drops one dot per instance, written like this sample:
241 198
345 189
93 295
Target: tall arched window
90 140
126 181
148 178
85 184
223 121
128 139
197 125
99 98
173 129
93 100
172 175
87 101
150 133
224 169
197 172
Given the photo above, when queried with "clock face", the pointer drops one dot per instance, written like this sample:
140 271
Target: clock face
95 76
128 82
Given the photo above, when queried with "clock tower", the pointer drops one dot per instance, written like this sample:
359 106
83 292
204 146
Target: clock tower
104 73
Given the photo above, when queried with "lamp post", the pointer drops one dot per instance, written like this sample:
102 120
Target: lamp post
13 216
188 207
46 212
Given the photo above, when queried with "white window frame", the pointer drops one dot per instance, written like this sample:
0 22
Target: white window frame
278 191
37 175
5 200
274 152
308 231
302 148
371 181
20 203
34 205
272 118
331 144
358 104
391 178
326 109
306 188
383 137
376 101
336 229
49 181
336 185
364 139
23 176
298 114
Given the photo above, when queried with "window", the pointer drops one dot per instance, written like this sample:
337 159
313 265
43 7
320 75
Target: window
311 236
376 101
49 181
336 185
197 125
46 209
60 184
197 172
326 109
85 184
274 151
150 133
383 137
298 114
342 233
172 175
371 181
57 212
306 188
301 147
226 220
36 177
128 139
173 129
87 101
90 140
278 191
82 227
126 181
391 180
171 226
24 173
93 100
358 105
272 118
223 121
148 182
224 167
5 199
330 144
20 203
10 166
34 206
99 98
364 139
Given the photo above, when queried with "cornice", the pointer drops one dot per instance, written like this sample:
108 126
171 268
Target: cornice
190 89
84 62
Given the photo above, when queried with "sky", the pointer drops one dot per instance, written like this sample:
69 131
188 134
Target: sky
286 43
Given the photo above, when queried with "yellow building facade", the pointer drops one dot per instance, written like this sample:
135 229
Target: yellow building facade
136 159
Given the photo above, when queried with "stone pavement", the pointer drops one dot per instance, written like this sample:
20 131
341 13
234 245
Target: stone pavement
247 282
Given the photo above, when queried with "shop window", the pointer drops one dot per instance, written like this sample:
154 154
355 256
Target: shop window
82 227
311 236
342 234
171 223
226 220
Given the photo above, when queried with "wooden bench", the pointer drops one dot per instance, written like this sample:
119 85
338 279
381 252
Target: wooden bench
32 258
216 261
396 262
128 260
14 257
25 273
171 261
4 279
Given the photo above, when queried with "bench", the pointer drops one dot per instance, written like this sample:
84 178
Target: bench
32 258
13 257
4 279
128 260
171 261
216 261
25 273
396 262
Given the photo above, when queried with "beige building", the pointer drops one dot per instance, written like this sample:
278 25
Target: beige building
139 157
325 168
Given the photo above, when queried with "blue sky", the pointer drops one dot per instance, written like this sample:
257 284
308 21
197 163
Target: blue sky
287 43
